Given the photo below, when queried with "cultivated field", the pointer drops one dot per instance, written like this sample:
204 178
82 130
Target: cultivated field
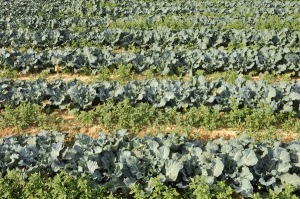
150 99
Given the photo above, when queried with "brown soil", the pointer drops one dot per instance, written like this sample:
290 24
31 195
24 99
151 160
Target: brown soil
72 127
64 77
113 77
257 78
82 78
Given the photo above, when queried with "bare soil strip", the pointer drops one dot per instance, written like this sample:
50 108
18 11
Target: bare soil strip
64 77
115 77
93 131
71 127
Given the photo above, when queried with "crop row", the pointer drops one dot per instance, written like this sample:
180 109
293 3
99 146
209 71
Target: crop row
180 7
127 8
15 185
176 22
164 61
203 38
122 160
159 93
94 8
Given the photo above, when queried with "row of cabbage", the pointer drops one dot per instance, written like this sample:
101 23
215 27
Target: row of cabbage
201 38
163 61
177 94
39 22
127 8
122 160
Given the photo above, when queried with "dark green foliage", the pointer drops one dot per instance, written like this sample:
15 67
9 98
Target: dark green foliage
281 97
122 160
162 61
153 37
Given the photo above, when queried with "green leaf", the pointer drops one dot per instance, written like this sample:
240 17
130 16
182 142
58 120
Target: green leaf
291 179
133 164
92 166
283 167
294 96
245 187
272 93
218 167
249 158
172 169
267 181
164 152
